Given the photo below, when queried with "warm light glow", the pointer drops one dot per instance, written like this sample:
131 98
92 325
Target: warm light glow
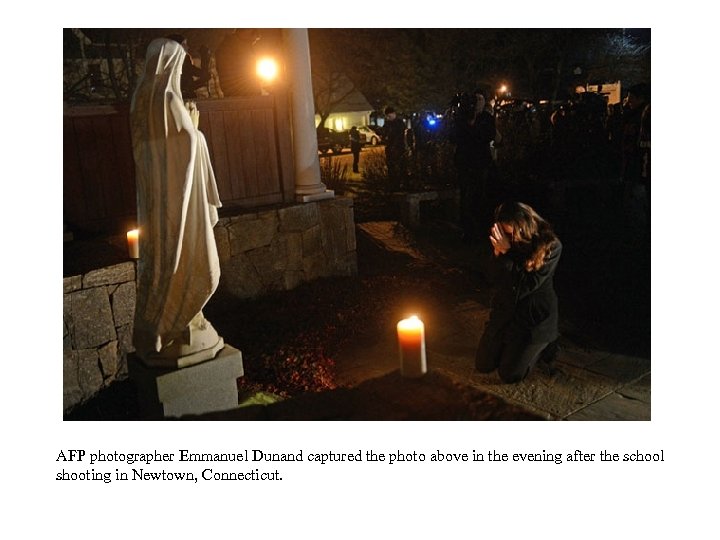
411 324
133 243
411 341
267 69
503 89
338 124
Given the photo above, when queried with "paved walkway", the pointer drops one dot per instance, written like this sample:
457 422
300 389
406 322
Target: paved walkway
589 384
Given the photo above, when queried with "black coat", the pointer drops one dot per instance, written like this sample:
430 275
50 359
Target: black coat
355 144
472 141
394 137
525 306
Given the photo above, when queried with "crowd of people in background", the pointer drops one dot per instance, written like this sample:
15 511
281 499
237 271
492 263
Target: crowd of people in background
583 135
575 139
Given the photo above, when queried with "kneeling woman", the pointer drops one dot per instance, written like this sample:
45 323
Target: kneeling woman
524 318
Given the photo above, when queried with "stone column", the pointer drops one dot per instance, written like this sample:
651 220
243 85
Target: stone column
308 186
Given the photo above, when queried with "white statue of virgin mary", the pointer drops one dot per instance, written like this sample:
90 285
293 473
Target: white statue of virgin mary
177 201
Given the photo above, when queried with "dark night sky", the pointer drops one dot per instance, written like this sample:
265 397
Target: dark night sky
641 34
479 57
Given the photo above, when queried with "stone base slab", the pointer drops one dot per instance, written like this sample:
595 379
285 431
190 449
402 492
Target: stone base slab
327 194
206 387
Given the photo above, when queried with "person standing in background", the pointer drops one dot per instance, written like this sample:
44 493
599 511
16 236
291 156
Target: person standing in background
474 131
355 146
394 130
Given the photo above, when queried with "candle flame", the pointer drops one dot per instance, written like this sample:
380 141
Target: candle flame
133 237
411 323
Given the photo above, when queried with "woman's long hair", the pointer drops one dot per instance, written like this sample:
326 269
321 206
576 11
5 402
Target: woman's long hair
532 235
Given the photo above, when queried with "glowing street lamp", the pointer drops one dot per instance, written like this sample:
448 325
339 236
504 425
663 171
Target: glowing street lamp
501 95
267 69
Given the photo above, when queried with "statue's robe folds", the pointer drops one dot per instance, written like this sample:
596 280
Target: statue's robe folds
177 201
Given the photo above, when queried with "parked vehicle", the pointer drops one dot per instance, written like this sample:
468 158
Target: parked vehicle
329 139
371 135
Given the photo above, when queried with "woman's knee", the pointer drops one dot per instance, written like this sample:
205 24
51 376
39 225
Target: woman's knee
517 363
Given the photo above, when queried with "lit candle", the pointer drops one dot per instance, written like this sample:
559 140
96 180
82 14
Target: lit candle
133 247
411 339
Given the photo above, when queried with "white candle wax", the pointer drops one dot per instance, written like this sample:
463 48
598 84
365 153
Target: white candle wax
133 245
411 341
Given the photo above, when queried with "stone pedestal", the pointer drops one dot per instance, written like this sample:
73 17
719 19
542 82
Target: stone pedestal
206 387
410 204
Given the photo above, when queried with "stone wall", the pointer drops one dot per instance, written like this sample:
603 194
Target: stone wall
279 249
261 251
98 311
